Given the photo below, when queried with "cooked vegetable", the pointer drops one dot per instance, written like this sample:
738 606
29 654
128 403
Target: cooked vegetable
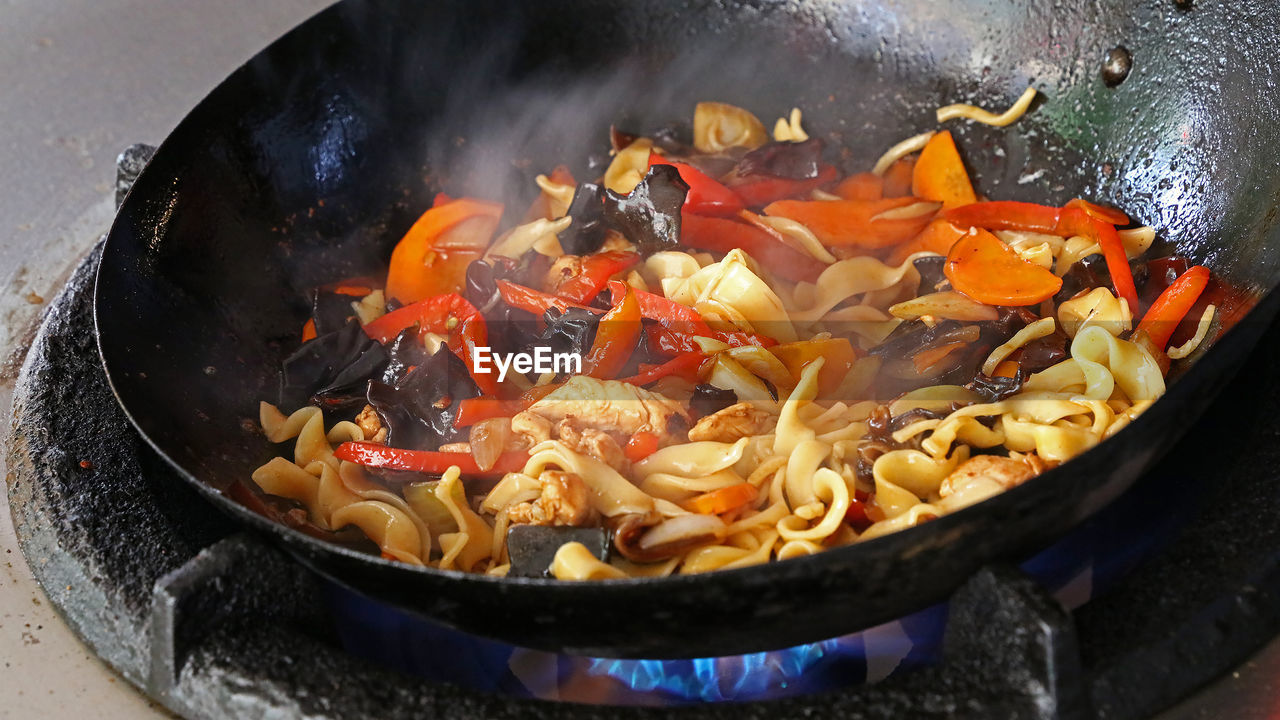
723 500
1172 306
987 270
419 411
433 256
595 274
706 196
649 215
852 222
615 339
721 235
939 174
331 369
424 461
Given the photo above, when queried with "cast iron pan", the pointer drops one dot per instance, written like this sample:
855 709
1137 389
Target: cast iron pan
309 162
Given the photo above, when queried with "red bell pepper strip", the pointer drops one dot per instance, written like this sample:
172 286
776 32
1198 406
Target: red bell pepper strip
682 319
760 190
425 461
686 366
1077 221
616 338
640 446
1005 215
853 222
523 298
706 196
1173 305
669 313
477 409
720 235
595 274
433 314
1099 212
443 314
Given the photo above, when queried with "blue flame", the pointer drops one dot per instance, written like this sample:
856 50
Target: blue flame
740 677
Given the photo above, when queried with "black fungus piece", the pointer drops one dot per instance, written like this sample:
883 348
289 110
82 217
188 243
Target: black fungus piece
913 336
533 547
419 411
586 234
791 160
404 353
1043 353
330 310
995 389
331 369
676 138
481 288
1091 272
570 332
932 273
709 399
649 215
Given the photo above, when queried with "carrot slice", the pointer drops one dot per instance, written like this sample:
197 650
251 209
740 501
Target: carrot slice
1173 305
309 329
1007 368
987 270
432 258
863 186
939 174
839 354
897 179
937 237
852 222
926 359
722 500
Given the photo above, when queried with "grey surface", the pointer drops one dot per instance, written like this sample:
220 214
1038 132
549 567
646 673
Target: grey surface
79 81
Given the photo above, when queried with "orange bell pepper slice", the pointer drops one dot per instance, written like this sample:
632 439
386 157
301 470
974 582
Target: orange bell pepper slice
1173 305
432 258
839 354
939 174
722 500
937 237
863 186
987 270
852 222
897 179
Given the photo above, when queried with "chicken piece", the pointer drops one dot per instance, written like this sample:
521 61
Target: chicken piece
734 422
615 407
371 425
530 429
982 476
563 269
564 500
590 441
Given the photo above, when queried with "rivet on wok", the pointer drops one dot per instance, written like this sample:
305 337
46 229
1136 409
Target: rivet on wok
1116 67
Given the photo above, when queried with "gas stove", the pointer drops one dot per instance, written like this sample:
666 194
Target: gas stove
1173 585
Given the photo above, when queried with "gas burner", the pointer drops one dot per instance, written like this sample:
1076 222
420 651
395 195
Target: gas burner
214 622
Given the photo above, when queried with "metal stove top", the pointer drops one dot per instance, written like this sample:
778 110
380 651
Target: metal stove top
82 95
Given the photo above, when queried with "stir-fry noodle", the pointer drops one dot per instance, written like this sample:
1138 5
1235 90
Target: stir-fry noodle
719 353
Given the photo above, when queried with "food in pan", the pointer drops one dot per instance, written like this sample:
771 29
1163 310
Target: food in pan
723 351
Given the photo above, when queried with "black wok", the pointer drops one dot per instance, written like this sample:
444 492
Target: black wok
309 162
